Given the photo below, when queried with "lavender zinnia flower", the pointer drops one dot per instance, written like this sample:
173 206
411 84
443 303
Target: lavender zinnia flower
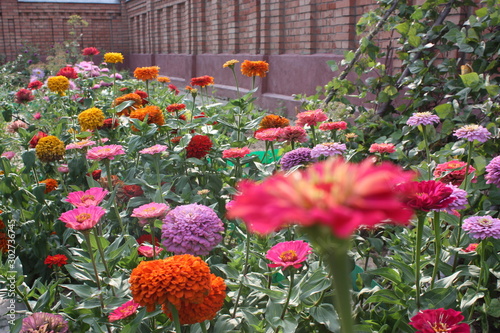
493 172
296 157
422 118
328 149
482 227
460 201
44 322
473 132
191 229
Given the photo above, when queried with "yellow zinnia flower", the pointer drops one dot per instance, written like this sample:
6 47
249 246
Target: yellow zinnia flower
230 63
58 84
91 119
50 149
113 57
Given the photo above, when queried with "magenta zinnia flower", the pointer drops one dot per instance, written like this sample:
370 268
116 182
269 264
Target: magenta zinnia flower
473 132
493 172
92 197
156 149
482 227
125 310
286 254
439 320
426 195
102 152
150 211
338 194
422 118
310 118
82 218
147 250
235 152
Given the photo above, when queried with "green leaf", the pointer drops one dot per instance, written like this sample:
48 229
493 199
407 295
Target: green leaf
443 110
403 28
439 298
470 297
317 282
388 273
494 308
470 80
325 314
493 90
385 296
333 65
481 12
226 324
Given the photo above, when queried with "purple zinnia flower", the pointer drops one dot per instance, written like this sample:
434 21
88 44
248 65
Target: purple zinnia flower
44 322
328 149
296 157
473 132
493 172
422 118
191 229
460 201
482 227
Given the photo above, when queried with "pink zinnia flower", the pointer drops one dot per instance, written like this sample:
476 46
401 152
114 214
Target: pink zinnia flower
80 144
330 126
37 116
340 195
439 320
82 218
286 254
268 134
102 152
453 172
235 152
156 149
92 197
125 310
426 195
293 134
473 132
482 227
382 148
8 155
147 250
63 168
150 211
423 118
310 118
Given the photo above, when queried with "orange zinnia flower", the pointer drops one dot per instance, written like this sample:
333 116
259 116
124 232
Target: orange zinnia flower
202 81
155 116
177 279
273 121
254 68
50 185
191 313
146 73
128 97
163 79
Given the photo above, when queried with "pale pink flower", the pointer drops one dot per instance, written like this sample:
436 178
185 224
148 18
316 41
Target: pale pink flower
92 197
288 254
330 126
102 152
150 211
268 134
63 168
147 250
235 152
382 148
125 310
8 155
82 218
156 149
80 144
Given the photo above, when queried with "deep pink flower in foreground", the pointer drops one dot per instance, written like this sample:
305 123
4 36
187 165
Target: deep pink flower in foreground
156 149
102 152
439 320
338 194
310 118
235 152
147 250
92 197
426 195
82 218
286 254
125 310
150 211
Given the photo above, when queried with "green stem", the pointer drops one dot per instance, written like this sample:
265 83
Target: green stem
86 233
175 316
418 247
253 82
313 131
203 327
290 287
437 246
465 183
158 176
245 271
427 152
483 280
107 163
236 80
101 252
152 230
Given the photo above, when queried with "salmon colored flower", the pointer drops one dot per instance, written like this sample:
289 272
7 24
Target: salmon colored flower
192 313
331 126
176 279
146 73
50 185
338 194
288 254
382 148
156 149
58 260
34 85
147 250
80 144
202 81
235 152
310 118
273 121
254 68
91 197
150 211
102 152
82 218
123 311
439 320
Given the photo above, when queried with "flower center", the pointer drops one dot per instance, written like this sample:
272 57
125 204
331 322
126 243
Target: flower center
440 328
87 197
288 256
82 217
485 222
150 209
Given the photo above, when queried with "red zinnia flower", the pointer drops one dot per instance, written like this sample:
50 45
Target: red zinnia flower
202 81
176 107
90 51
68 72
110 123
132 191
147 238
199 146
173 88
34 140
439 320
453 172
96 174
33 85
58 260
24 96
143 96
426 195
